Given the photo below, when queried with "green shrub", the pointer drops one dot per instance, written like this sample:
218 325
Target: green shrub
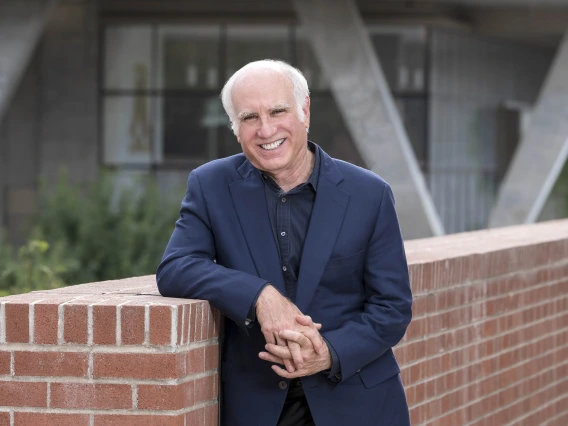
91 233
36 266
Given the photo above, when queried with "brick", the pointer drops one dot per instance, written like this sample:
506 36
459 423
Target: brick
4 419
104 325
75 324
196 361
184 330
211 357
180 324
23 394
51 364
45 323
139 366
205 389
160 325
166 397
132 325
5 363
192 321
212 415
196 417
88 395
138 420
17 322
200 318
45 419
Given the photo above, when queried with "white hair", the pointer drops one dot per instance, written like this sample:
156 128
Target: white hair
299 84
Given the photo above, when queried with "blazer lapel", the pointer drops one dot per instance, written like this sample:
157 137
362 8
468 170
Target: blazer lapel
327 216
249 199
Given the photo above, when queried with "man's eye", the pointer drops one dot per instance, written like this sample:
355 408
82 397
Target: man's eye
278 111
249 117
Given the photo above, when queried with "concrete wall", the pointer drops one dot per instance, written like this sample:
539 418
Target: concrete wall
471 77
52 121
488 343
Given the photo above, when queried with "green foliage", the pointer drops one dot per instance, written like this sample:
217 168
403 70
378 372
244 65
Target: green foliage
36 266
94 233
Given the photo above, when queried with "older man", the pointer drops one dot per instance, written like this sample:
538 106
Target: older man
304 256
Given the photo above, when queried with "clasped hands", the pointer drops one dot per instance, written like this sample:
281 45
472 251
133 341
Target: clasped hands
292 339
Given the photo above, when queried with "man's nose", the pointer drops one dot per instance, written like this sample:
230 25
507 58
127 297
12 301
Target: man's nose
266 129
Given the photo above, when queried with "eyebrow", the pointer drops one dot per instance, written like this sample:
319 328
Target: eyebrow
245 113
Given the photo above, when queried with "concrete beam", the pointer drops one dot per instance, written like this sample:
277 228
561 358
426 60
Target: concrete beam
520 22
542 151
21 26
344 51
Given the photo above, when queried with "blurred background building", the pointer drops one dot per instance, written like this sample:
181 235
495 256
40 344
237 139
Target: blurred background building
133 85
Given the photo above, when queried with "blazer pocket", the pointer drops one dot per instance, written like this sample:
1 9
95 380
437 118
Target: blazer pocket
346 261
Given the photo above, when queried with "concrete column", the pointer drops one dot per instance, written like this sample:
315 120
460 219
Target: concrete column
541 153
21 26
343 49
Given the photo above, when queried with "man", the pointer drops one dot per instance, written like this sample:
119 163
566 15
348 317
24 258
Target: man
286 241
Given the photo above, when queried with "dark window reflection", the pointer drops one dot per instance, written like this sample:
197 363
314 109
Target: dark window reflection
328 129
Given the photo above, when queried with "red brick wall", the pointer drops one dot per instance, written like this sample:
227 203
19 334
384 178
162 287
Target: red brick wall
112 353
488 344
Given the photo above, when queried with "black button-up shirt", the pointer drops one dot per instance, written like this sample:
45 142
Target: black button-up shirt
290 215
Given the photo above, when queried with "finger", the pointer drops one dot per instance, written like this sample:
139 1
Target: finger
315 339
287 362
269 337
294 336
279 351
305 320
296 354
283 373
267 356
318 325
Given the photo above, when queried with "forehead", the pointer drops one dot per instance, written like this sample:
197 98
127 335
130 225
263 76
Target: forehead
260 88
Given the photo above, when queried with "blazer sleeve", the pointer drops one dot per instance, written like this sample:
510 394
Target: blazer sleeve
188 267
388 299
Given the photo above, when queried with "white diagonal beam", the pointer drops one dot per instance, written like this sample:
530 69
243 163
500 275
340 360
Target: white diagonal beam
21 26
343 49
541 153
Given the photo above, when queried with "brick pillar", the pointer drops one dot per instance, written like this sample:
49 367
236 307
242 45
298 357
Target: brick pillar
112 353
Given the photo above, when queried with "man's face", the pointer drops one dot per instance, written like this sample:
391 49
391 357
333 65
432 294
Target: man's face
270 133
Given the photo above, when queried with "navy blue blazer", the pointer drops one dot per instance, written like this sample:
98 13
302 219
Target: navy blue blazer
353 279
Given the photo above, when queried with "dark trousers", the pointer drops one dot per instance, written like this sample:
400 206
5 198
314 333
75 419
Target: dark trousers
296 411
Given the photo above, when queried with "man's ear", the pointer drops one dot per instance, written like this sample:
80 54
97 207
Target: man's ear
306 110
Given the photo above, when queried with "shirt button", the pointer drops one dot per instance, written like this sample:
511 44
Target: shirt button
283 200
284 268
283 233
282 385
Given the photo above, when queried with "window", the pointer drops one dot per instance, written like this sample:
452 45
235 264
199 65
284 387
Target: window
160 94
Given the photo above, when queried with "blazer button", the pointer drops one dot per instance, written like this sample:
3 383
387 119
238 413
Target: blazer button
282 385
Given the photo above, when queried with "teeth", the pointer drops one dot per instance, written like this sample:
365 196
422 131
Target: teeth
272 145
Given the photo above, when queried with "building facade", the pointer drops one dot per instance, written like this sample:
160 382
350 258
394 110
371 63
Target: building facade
133 86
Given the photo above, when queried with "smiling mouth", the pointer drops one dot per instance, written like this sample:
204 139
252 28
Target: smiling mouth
273 145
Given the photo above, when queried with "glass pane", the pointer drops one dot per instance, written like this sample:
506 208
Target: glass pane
191 126
308 64
127 130
401 51
189 57
414 117
328 129
248 43
128 58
